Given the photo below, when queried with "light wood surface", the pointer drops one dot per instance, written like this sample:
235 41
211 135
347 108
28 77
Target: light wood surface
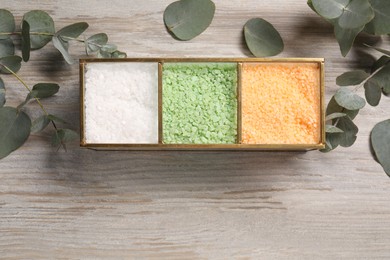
84 204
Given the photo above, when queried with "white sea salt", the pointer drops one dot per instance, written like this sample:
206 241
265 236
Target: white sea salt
121 102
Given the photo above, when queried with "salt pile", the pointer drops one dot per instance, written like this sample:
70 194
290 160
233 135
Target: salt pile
281 103
121 102
199 103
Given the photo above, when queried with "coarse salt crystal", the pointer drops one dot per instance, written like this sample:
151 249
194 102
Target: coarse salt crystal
121 102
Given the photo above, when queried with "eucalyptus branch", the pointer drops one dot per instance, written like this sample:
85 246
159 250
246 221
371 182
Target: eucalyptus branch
27 87
37 30
31 93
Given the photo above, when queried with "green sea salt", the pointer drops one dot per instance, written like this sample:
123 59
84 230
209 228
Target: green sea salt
199 103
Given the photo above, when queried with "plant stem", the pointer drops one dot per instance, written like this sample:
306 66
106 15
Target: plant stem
25 85
10 33
29 90
51 34
65 37
41 33
364 81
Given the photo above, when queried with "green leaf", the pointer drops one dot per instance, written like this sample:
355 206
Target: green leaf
348 99
2 93
14 130
63 47
356 14
332 129
330 8
186 19
110 48
110 51
262 38
383 78
7 23
103 54
7 48
44 90
56 119
39 124
382 61
332 141
310 4
72 31
334 116
348 137
95 42
118 54
333 107
345 37
381 22
41 28
62 136
373 92
380 141
14 63
351 78
61 38
25 41
40 90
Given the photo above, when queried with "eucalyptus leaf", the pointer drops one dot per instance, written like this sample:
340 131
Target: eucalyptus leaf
381 22
7 23
110 48
380 141
25 41
334 116
63 47
7 47
345 37
41 28
310 4
72 31
351 78
95 42
44 90
348 137
103 54
118 54
348 99
332 141
13 63
330 8
14 130
186 19
262 38
61 136
382 61
2 93
356 14
332 129
39 124
333 107
383 78
373 92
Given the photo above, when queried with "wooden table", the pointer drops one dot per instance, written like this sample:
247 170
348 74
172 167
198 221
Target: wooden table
84 204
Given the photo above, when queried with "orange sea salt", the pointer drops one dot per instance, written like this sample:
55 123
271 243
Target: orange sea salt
280 103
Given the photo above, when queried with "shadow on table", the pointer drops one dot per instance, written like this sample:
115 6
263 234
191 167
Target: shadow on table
135 171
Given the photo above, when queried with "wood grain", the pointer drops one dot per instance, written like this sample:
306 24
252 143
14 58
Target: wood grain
84 204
